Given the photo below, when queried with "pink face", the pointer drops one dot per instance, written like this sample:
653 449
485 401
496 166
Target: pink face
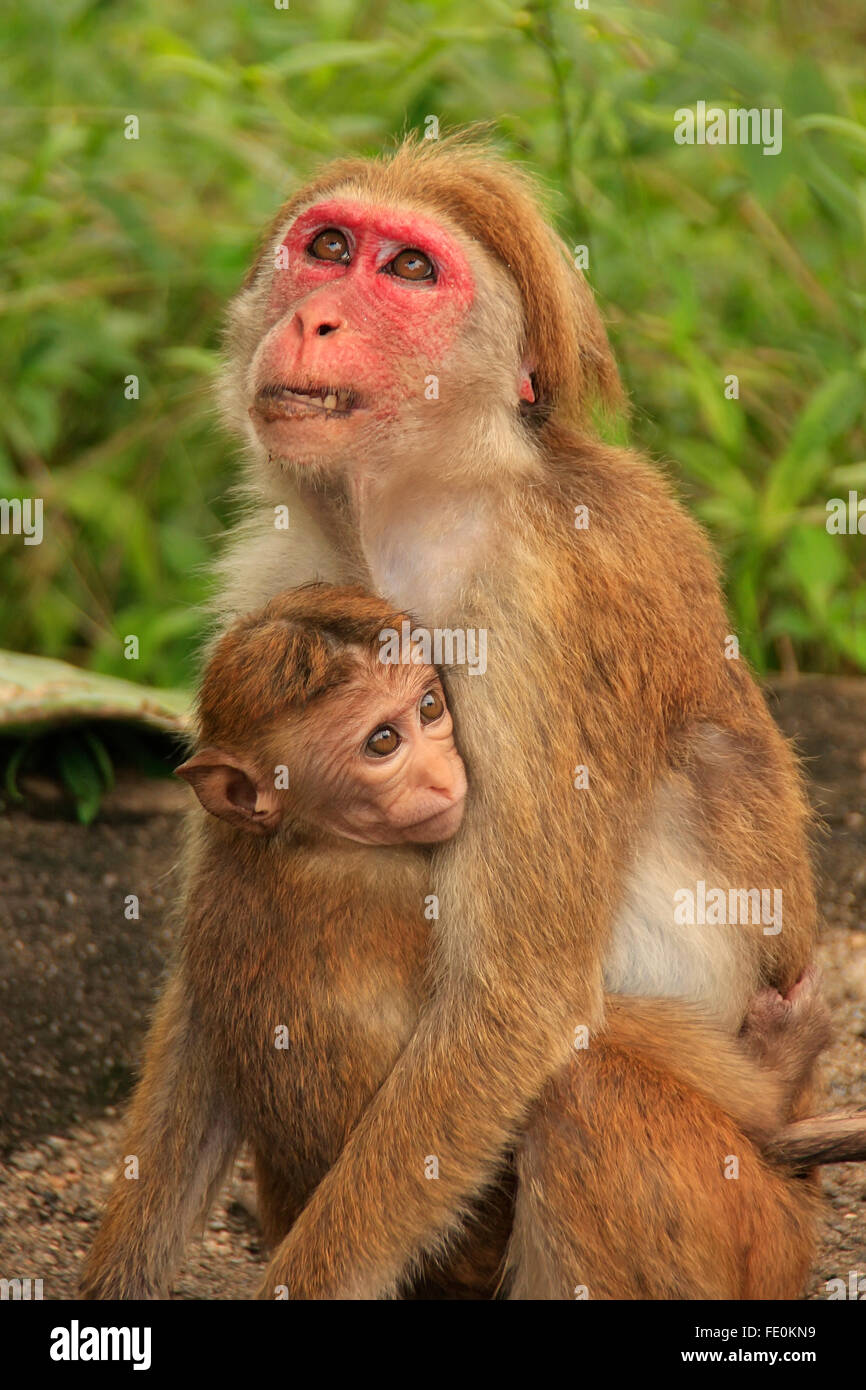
368 305
379 761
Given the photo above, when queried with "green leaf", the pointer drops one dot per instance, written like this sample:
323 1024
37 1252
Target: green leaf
705 462
12 766
786 620
837 125
192 359
724 418
309 57
37 690
849 475
101 758
832 410
817 563
846 624
82 778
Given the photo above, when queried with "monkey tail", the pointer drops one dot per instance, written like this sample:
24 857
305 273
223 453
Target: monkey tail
836 1137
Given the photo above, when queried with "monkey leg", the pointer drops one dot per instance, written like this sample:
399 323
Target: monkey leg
632 1185
276 1201
183 1142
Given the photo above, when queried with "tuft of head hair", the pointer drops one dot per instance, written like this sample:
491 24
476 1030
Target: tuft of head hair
496 203
303 643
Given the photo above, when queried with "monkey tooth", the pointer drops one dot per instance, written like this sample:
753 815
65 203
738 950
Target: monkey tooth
277 401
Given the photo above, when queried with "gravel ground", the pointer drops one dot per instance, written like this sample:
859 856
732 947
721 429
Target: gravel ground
78 978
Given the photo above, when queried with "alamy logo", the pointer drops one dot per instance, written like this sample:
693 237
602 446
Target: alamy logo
846 518
713 125
443 646
76 1343
23 1290
855 1288
733 907
22 517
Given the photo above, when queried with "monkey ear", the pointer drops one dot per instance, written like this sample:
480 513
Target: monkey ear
526 385
232 789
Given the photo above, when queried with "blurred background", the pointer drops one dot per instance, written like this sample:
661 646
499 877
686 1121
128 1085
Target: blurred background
118 257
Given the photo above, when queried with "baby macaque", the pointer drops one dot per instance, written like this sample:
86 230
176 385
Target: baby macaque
366 754
301 968
302 971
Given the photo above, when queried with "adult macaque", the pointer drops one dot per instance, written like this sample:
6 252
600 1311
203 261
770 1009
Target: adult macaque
301 973
415 365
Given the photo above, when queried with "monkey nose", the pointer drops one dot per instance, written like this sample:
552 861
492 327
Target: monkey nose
313 323
441 783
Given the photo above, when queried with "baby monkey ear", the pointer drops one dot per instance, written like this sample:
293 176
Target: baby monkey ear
231 788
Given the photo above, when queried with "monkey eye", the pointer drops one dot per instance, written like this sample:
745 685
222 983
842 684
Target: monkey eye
411 265
329 245
431 707
384 741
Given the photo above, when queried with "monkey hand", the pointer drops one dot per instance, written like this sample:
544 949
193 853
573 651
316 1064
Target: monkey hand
307 1266
338 1248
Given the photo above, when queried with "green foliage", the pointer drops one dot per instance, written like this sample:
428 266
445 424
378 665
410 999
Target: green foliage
119 256
82 759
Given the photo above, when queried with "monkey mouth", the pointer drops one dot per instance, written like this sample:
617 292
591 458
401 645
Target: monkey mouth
441 825
278 401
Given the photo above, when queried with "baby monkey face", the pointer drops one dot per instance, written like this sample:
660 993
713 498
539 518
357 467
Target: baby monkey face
380 763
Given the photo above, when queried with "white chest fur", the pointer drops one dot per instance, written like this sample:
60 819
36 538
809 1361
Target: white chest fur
651 953
421 551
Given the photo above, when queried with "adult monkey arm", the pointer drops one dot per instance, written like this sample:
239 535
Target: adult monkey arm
606 648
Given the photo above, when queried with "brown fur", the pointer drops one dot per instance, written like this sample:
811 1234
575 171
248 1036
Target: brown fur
554 864
642 1165
329 939
606 649
280 659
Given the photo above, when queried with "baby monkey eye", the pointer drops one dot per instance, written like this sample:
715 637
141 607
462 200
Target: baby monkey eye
383 741
431 707
411 265
329 245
